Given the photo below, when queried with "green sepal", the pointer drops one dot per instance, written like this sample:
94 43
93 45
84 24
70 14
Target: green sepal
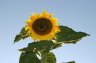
29 58
68 35
22 35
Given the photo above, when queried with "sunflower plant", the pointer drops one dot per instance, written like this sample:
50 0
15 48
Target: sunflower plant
47 35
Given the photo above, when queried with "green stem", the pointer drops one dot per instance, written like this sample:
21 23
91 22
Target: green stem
43 57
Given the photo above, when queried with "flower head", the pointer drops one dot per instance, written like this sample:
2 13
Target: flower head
42 26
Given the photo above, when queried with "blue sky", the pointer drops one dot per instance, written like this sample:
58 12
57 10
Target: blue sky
80 15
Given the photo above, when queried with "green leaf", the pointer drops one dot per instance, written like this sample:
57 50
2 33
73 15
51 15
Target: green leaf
71 62
22 35
17 38
51 58
67 35
38 46
29 58
56 45
41 46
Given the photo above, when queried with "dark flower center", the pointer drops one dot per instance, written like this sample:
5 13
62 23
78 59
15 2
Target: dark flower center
42 26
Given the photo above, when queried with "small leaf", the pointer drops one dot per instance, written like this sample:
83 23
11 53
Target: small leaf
51 58
29 58
67 35
17 38
23 30
22 35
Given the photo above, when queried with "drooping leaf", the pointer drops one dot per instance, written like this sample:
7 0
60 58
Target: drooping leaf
67 35
38 46
51 58
41 46
22 35
29 58
56 45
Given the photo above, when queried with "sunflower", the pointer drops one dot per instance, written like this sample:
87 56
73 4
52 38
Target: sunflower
42 26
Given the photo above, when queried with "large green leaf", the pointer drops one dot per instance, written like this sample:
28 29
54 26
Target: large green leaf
29 58
67 35
51 58
56 45
41 46
22 35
